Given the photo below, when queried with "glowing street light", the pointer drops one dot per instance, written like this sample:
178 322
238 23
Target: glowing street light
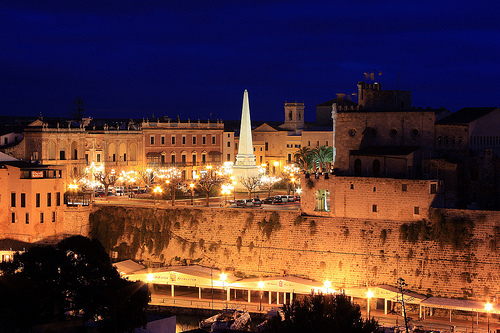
369 294
327 284
150 278
156 190
223 278
488 308
192 192
261 286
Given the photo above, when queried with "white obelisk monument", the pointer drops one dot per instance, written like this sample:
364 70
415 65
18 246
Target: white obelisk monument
245 165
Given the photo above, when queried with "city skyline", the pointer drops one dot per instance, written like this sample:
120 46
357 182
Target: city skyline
196 59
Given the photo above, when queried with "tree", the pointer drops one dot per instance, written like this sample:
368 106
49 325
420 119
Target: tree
208 182
173 178
78 110
322 156
106 179
303 159
250 183
76 279
322 313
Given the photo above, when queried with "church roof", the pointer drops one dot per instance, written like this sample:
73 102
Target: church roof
466 115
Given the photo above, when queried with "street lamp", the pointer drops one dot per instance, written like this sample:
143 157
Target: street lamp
225 192
192 192
261 286
293 185
156 190
223 278
488 308
327 284
369 294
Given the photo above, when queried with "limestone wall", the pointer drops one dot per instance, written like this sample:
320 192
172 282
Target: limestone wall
347 251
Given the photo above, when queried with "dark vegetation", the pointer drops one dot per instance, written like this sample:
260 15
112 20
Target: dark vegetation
72 281
321 313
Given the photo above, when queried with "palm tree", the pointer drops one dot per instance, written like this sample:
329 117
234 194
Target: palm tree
303 159
322 156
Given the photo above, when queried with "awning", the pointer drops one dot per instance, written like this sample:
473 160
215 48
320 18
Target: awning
190 276
153 154
127 266
386 292
287 284
213 152
458 304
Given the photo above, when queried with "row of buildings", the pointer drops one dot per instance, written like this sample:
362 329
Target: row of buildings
380 137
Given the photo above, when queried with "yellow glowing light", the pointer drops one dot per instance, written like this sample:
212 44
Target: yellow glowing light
369 294
157 189
488 307
261 284
223 277
209 167
299 190
191 185
196 176
327 284
293 180
276 163
150 277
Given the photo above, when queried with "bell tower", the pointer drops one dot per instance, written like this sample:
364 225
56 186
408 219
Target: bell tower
294 117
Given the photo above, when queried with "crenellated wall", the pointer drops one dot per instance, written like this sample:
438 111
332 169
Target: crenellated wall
458 259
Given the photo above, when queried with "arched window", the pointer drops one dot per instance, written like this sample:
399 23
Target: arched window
74 150
112 152
376 168
123 151
290 115
62 150
52 150
133 152
357 167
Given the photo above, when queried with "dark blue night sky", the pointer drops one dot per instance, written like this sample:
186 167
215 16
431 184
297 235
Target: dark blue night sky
132 59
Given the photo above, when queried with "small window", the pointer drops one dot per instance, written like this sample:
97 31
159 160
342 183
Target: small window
194 140
352 186
23 200
58 199
27 218
433 188
317 143
163 140
183 139
228 144
53 216
440 140
41 217
228 135
374 208
260 148
327 143
98 158
416 210
173 139
38 200
204 139
228 158
393 132
152 140
404 187
374 189
267 146
13 217
13 199
352 132
213 140
49 199
308 143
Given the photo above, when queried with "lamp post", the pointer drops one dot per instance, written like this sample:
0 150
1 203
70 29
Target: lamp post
293 185
488 308
225 192
369 294
192 192
261 286
327 284
156 190
223 278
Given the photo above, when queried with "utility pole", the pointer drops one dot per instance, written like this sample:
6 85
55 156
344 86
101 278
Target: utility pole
401 285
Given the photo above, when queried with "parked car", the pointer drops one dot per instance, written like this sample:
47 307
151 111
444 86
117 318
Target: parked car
297 198
291 198
268 201
256 202
284 198
241 203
